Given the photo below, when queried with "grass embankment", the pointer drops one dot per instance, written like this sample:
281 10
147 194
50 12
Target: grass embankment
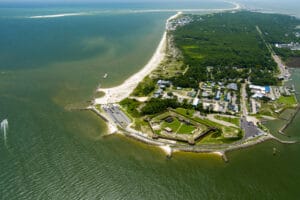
232 120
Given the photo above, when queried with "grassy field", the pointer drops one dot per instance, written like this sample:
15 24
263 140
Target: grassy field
233 120
230 132
185 112
178 127
289 101
267 109
173 125
186 129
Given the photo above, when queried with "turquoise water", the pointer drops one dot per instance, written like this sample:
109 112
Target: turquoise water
48 65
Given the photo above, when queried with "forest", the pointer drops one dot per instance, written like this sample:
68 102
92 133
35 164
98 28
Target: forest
231 45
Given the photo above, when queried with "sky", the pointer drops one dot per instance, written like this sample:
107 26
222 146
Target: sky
125 1
85 1
82 1
70 1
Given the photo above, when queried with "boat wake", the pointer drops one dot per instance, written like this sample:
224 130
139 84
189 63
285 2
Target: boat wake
4 127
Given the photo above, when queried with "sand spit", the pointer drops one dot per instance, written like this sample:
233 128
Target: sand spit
56 15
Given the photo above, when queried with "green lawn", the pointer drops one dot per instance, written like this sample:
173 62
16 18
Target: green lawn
185 112
289 101
181 128
186 129
173 125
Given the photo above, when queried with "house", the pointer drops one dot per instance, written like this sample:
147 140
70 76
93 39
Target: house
233 107
218 95
163 82
196 101
227 97
205 94
257 95
232 86
258 89
192 94
158 93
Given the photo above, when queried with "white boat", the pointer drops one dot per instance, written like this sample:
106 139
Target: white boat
105 75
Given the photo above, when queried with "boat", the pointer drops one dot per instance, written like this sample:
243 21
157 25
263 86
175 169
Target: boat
105 75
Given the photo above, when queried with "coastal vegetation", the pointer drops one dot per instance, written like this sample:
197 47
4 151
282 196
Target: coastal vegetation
144 88
224 42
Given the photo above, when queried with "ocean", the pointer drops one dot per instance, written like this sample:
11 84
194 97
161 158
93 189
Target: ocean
49 65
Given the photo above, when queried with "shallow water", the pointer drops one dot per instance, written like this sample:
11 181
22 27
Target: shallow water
50 65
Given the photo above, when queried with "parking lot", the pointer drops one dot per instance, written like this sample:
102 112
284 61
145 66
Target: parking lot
251 130
117 115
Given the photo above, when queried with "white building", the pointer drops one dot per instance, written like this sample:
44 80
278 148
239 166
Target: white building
196 101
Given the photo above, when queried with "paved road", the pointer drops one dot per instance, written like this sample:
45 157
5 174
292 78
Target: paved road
283 70
244 99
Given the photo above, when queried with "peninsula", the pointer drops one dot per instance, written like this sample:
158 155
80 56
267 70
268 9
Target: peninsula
212 82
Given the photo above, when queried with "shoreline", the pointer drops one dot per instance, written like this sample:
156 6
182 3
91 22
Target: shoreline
120 92
219 150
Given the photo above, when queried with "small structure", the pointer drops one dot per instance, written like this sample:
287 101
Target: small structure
192 94
232 86
233 107
294 46
169 119
259 89
257 95
268 89
163 82
218 95
205 94
227 97
158 93
168 130
196 101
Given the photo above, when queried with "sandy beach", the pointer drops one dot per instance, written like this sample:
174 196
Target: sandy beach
118 93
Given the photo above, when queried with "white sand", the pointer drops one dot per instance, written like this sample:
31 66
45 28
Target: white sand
118 93
166 149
